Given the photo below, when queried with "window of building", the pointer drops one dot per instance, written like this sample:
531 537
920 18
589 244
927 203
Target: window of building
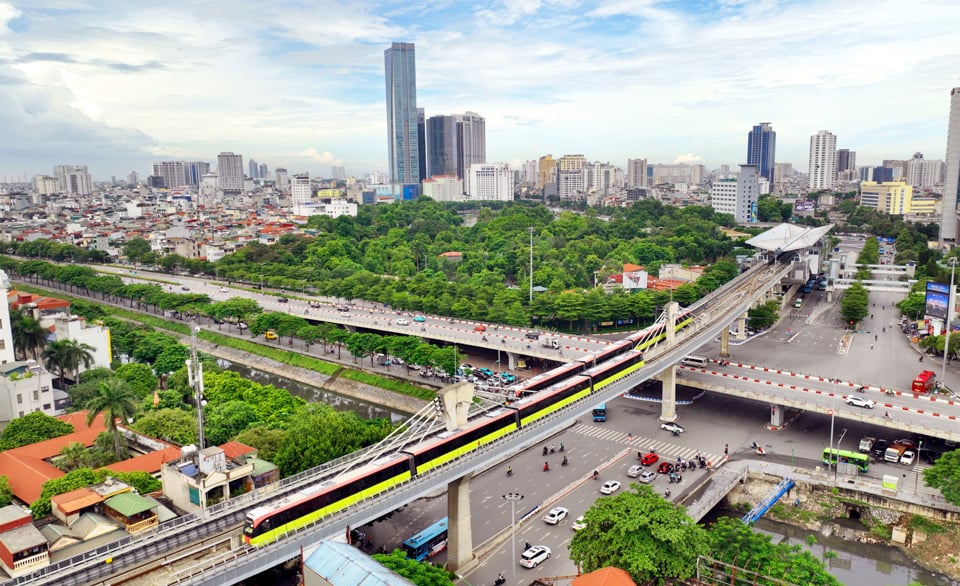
44 389
3 344
19 399
36 395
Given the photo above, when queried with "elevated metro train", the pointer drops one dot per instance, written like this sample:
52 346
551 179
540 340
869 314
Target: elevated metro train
537 398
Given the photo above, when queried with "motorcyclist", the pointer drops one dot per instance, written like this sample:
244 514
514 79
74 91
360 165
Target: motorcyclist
509 470
564 463
596 475
546 466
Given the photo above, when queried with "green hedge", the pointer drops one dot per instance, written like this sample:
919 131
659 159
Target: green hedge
390 384
278 354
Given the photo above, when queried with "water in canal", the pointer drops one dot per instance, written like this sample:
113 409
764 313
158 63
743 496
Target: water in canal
855 564
313 394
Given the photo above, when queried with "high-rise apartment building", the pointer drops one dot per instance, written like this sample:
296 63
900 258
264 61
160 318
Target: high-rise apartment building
822 166
422 143
300 190
762 149
230 173
174 174
73 179
46 185
455 143
846 160
529 172
738 197
403 138
782 171
133 179
924 173
547 171
338 172
636 173
263 171
951 183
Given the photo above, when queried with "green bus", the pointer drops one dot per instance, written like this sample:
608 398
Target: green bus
832 455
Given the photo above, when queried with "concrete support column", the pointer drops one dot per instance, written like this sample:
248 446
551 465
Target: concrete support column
668 409
511 360
671 308
742 327
460 556
725 343
776 415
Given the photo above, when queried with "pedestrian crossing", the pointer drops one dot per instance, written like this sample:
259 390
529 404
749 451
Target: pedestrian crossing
663 448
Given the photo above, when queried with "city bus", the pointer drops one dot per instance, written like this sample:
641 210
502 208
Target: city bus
925 382
832 455
428 542
600 412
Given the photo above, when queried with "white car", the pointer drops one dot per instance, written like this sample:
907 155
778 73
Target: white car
610 487
860 402
403 322
579 524
634 471
224 290
534 556
555 515
647 477
907 458
671 427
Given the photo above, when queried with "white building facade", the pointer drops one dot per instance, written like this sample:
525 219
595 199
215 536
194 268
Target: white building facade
300 189
230 173
822 162
490 181
443 188
738 197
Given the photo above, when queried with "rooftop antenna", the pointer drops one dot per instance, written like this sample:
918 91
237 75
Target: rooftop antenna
195 378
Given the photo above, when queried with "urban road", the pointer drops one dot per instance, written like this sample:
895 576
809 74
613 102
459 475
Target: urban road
790 336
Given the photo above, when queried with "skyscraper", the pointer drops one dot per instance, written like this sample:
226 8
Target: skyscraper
422 142
73 179
403 140
455 143
762 149
281 177
253 169
230 173
822 165
951 184
636 173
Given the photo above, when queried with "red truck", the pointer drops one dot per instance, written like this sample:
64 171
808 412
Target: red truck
925 382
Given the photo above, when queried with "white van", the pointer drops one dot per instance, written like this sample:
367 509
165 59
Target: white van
695 361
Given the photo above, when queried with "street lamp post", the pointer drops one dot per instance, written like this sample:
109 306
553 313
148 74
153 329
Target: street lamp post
836 470
514 498
946 340
531 267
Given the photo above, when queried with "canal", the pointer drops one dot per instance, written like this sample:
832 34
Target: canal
313 394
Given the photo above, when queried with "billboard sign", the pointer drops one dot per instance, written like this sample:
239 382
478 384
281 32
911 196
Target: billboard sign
804 205
937 300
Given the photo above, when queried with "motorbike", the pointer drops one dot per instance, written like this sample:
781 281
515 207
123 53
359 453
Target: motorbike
564 462
500 581
509 471
860 389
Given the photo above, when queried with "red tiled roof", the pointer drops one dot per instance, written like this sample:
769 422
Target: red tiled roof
604 577
631 268
234 450
149 463
26 467
75 500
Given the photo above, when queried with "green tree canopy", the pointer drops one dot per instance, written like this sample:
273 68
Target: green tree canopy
855 304
639 532
116 400
6 493
944 475
139 376
31 428
420 573
735 543
174 425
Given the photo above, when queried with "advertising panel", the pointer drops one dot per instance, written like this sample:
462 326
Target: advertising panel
937 300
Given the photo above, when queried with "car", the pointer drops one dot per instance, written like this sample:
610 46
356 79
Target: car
674 428
224 290
534 556
403 322
665 467
634 471
480 328
283 300
533 335
555 515
270 335
610 487
419 318
647 477
466 366
579 524
343 308
860 402
184 288
649 459
486 372
907 458
241 326
905 442
879 448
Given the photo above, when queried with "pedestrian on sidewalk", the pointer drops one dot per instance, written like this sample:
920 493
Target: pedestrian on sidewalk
726 449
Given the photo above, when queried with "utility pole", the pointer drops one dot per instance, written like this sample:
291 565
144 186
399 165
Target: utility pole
195 378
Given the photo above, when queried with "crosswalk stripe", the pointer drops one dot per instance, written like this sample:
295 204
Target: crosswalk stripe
665 449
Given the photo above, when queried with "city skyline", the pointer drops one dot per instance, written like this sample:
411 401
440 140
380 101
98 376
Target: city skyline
118 86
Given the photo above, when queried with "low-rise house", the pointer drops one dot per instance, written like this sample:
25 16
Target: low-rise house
23 548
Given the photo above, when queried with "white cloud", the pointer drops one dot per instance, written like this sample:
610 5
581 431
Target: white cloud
689 158
323 158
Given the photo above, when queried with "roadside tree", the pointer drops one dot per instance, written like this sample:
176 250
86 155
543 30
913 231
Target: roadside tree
174 425
855 304
420 573
139 376
944 475
32 428
116 400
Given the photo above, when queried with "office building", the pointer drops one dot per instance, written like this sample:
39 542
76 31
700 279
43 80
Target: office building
547 171
263 171
422 143
175 174
46 185
230 173
891 197
133 179
737 197
253 169
822 166
455 143
881 174
762 148
443 188
636 173
338 173
782 172
300 190
281 178
73 179
529 172
403 138
951 183
490 181
846 160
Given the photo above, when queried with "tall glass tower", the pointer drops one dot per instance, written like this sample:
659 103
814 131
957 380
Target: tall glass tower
951 185
762 148
403 138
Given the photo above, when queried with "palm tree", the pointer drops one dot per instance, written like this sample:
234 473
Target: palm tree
29 337
116 400
66 356
73 456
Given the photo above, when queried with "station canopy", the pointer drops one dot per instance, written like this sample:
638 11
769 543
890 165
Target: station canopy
788 237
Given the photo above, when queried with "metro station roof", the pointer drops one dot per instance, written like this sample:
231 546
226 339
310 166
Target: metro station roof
787 237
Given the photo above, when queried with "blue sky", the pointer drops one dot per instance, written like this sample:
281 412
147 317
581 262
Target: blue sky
118 84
